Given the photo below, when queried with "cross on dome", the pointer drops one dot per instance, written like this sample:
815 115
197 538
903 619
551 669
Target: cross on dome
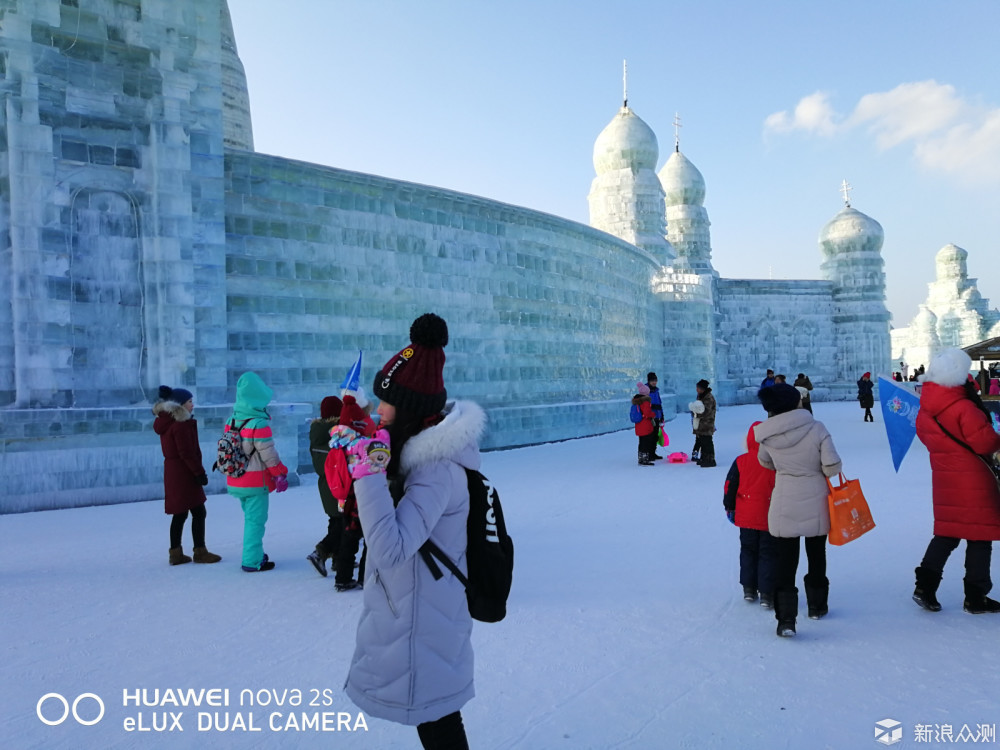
845 190
677 132
625 83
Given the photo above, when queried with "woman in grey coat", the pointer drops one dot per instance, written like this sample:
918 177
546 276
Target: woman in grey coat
413 662
801 452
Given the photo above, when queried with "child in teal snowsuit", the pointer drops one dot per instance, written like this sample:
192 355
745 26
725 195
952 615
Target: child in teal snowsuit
265 472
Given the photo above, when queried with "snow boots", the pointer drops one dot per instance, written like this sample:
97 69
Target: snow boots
767 600
786 609
177 556
927 585
976 601
749 594
644 459
264 565
348 586
817 593
318 561
202 555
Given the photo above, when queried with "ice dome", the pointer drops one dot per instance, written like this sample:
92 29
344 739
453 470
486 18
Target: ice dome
682 182
950 262
626 143
851 229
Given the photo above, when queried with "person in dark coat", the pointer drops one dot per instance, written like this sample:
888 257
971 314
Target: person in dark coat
804 384
747 498
657 405
703 425
966 500
319 447
866 397
184 477
768 380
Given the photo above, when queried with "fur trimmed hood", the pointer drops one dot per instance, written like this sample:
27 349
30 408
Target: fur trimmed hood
949 368
456 438
175 410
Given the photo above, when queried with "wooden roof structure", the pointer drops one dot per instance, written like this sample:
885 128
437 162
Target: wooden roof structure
988 350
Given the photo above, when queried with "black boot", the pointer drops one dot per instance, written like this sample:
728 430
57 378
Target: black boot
749 594
817 593
786 609
927 585
644 459
976 601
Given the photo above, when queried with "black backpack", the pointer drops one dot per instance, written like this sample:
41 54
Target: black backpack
490 553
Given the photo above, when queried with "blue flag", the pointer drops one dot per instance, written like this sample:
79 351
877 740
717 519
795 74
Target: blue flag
899 412
353 380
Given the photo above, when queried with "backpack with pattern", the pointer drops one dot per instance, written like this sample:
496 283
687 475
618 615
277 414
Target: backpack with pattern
230 458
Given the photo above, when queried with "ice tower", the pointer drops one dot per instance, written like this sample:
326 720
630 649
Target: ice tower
851 244
626 198
686 286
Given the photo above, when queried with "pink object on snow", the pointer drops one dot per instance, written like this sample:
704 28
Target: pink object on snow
678 458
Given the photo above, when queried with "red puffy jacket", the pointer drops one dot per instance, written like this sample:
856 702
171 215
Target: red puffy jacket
752 485
966 499
644 427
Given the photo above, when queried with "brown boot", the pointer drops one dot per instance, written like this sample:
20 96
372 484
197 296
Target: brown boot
202 555
177 556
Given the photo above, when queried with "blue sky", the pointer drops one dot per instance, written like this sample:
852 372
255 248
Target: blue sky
780 102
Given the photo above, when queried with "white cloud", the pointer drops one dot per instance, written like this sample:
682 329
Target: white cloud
946 132
813 114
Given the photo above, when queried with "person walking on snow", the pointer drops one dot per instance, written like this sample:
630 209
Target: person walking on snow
319 447
801 452
747 498
184 476
865 395
265 473
413 663
955 428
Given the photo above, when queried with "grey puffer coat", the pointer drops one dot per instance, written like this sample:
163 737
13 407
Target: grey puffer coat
801 452
413 661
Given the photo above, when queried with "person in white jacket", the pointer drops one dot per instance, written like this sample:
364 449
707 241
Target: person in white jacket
801 452
413 662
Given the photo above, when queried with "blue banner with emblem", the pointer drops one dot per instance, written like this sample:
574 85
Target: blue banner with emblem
899 412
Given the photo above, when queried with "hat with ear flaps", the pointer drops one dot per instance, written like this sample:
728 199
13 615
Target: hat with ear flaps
412 380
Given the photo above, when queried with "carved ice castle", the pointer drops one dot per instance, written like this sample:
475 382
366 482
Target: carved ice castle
143 241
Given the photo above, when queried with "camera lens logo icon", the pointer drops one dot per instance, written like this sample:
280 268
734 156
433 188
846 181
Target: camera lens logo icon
67 709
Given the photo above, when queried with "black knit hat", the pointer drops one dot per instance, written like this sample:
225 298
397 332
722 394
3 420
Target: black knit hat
702 383
779 398
412 380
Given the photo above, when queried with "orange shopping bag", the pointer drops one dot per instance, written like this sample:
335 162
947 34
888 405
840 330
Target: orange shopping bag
849 513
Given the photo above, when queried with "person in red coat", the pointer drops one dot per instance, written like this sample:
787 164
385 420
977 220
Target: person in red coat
183 475
645 428
747 499
955 428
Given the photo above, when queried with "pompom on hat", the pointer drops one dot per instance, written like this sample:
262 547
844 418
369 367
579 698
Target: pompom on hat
779 398
412 380
177 395
949 368
642 389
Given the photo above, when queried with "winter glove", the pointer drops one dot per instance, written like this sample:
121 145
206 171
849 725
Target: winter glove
280 483
342 436
731 515
369 455
202 479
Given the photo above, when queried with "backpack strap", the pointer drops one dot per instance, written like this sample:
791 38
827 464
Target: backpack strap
428 551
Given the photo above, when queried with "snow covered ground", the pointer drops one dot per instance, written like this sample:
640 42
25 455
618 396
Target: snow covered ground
626 626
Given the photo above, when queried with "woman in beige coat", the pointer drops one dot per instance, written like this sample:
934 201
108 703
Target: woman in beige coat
801 452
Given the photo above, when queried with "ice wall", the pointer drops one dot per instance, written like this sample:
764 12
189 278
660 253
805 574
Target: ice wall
551 322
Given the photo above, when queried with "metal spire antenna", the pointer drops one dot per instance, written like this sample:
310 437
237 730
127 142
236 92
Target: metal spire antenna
845 190
677 132
625 83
